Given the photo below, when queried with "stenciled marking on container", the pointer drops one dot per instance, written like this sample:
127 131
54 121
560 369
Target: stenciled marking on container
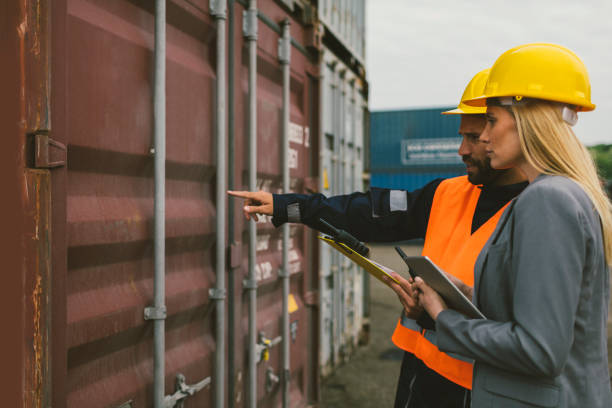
292 159
263 242
263 271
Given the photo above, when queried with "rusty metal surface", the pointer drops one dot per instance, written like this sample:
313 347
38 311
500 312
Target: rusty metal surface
12 291
37 287
32 33
102 112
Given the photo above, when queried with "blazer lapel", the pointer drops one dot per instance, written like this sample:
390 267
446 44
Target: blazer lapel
481 261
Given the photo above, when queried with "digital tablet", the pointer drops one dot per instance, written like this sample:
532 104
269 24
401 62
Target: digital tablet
434 276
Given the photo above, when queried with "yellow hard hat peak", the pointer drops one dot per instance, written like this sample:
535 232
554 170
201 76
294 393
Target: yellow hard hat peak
473 89
543 71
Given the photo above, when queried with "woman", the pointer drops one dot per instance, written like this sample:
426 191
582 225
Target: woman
542 280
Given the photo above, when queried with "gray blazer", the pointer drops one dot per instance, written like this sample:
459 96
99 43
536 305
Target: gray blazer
543 284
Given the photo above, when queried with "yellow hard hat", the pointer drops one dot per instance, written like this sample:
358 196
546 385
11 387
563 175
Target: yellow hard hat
473 89
542 71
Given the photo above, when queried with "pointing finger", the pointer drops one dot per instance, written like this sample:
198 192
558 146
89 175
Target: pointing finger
241 194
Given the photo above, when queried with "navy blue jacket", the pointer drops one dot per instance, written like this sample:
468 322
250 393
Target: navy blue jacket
382 215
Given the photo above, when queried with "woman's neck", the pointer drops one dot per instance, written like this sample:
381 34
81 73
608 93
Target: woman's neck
529 171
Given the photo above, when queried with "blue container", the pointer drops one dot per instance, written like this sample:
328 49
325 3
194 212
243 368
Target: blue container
409 148
408 181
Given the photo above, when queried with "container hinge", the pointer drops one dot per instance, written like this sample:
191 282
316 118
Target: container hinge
48 153
216 294
271 379
218 8
182 391
249 284
311 298
249 24
155 313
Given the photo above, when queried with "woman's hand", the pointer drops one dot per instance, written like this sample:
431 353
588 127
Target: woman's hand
467 290
429 298
407 294
257 202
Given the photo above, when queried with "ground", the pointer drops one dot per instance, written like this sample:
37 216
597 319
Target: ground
369 379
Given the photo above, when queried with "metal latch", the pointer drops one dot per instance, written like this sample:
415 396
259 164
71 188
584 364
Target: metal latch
155 313
263 347
48 153
271 379
183 391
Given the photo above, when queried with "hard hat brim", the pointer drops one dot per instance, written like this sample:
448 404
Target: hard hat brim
466 110
481 101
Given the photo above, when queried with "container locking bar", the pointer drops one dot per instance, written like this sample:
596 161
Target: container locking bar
262 349
183 391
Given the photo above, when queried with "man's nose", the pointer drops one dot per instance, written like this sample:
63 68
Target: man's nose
484 136
464 148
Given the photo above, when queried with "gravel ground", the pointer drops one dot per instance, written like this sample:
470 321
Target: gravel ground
369 379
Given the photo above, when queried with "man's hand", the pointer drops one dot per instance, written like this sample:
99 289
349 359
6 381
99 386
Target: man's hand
407 294
429 298
257 202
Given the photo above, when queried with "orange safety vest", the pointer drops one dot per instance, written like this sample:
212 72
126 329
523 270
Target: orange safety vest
450 244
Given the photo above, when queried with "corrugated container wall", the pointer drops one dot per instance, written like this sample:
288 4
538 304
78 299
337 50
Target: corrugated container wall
409 148
102 212
341 286
346 20
342 289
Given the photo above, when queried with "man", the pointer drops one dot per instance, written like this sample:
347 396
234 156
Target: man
455 216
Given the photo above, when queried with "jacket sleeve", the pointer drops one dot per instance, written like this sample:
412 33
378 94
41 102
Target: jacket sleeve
548 252
379 215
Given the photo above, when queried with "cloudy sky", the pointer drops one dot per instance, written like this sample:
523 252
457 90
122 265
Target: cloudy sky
422 53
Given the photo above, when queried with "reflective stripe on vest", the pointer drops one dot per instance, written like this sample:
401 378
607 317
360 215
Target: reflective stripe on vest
449 243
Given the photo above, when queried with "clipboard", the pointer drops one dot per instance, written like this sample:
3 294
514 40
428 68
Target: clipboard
436 278
373 268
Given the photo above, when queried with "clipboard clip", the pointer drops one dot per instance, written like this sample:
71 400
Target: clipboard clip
347 239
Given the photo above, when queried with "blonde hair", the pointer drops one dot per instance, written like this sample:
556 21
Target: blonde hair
551 147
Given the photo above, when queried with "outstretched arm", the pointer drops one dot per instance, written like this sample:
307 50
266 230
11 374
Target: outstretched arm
379 215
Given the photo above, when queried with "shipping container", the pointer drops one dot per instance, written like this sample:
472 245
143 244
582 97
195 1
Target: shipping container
409 148
84 153
132 118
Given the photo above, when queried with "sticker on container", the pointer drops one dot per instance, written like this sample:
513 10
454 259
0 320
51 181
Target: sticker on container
292 304
325 180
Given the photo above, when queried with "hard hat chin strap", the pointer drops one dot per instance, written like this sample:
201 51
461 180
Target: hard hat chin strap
569 115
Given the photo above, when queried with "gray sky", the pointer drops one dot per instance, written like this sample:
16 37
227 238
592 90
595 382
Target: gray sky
422 53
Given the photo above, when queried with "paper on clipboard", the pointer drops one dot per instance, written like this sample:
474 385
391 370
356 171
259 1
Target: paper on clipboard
373 268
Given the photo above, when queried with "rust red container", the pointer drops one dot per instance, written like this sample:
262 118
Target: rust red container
85 184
